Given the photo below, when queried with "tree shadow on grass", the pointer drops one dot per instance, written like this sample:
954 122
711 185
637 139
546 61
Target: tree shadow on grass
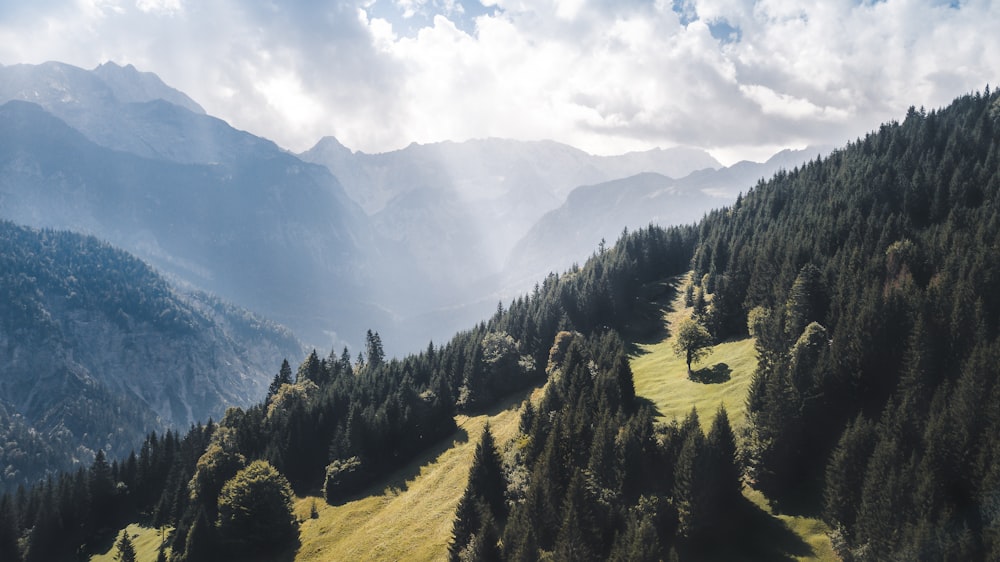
397 481
751 534
718 373
646 325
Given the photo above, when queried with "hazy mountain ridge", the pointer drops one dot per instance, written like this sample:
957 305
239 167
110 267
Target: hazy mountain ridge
499 186
97 349
269 232
591 213
111 104
457 210
223 210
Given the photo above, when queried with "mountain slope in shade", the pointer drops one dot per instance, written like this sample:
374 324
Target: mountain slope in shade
269 232
97 349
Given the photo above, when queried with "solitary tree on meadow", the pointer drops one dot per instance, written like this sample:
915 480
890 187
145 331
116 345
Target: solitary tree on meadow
693 341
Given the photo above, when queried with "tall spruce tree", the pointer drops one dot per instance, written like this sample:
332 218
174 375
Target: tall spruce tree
124 549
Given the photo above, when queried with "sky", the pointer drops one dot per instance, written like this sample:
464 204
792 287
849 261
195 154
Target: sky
739 78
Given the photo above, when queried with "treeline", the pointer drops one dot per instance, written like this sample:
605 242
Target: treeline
334 424
871 282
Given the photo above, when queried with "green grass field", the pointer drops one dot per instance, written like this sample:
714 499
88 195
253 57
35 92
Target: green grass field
722 377
410 517
146 541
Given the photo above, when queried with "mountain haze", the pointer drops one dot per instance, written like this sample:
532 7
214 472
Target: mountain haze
267 231
97 350
320 248
590 213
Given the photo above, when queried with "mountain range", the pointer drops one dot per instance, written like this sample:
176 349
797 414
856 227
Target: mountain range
319 241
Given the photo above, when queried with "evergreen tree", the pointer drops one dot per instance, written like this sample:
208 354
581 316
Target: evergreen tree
578 535
724 490
283 377
202 543
690 489
805 301
484 498
373 350
486 476
639 542
124 550
102 492
9 549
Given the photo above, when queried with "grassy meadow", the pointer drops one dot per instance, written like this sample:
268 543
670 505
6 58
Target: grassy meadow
721 378
408 516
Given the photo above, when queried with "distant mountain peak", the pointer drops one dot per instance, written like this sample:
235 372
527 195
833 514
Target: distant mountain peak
330 144
132 86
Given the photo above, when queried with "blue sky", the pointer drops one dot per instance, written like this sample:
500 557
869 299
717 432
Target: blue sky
740 78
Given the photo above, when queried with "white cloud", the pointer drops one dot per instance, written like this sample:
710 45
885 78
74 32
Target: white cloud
728 75
159 6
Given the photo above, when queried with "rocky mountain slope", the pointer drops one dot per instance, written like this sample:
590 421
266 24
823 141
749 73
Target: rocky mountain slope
97 349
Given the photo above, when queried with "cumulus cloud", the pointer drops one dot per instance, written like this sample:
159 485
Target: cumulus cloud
738 77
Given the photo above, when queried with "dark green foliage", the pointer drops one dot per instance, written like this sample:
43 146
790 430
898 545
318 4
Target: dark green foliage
124 550
483 505
255 511
639 542
692 342
283 377
9 549
691 483
342 476
202 543
877 267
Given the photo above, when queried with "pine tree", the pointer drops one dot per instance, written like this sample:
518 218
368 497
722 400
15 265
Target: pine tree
484 496
102 492
202 543
283 377
124 550
639 542
9 549
486 476
578 535
720 447
464 525
373 350
689 481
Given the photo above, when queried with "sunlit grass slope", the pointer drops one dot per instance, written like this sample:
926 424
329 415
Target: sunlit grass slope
409 516
146 541
723 378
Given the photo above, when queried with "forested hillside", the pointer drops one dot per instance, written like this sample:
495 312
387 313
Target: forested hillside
868 280
97 350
